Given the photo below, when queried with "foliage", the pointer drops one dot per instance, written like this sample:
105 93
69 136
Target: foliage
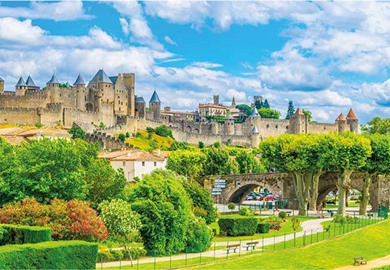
17 234
266 104
187 163
238 226
143 140
295 224
282 215
38 124
108 255
259 104
150 130
122 137
201 200
49 255
201 144
164 131
308 114
165 211
269 113
77 133
290 110
118 217
244 108
246 211
231 206
218 162
179 146
248 162
68 220
263 228
199 236
377 125
101 125
216 118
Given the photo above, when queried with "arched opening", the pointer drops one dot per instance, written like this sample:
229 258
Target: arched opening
188 129
196 131
239 195
89 107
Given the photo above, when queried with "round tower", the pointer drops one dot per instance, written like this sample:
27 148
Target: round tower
21 87
229 125
53 88
255 137
155 107
298 122
352 121
341 122
254 119
79 85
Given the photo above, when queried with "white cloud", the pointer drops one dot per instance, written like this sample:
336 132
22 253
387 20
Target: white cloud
125 26
169 41
206 65
22 32
57 11
379 92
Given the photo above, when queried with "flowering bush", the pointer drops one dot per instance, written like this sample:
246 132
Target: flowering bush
68 220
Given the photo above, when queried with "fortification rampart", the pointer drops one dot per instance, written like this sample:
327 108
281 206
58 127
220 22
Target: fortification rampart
22 116
321 128
33 101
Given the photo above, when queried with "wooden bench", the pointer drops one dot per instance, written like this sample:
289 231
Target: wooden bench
288 213
359 261
251 245
232 247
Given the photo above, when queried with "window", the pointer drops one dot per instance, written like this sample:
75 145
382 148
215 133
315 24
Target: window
143 163
155 164
124 163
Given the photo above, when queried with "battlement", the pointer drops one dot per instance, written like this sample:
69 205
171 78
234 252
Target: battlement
54 107
21 110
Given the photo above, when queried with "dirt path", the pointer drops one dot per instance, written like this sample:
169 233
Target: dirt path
370 264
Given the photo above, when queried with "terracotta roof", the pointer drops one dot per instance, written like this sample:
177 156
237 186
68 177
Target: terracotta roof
351 115
131 155
211 106
299 111
341 118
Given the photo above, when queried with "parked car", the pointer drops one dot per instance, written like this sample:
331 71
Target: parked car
267 197
253 196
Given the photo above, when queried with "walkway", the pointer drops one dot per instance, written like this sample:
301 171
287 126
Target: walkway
309 227
370 264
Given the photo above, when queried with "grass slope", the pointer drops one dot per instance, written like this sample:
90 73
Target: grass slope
371 243
156 142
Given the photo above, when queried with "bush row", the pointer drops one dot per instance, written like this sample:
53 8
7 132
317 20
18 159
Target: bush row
17 234
109 255
238 226
49 255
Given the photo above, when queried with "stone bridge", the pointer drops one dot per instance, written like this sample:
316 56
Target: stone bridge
238 187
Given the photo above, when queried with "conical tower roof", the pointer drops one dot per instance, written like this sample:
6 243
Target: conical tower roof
351 115
139 100
53 80
255 130
299 111
21 82
154 97
30 81
233 102
79 80
101 76
254 113
341 118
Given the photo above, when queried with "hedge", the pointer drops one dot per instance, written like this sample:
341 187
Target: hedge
263 227
109 255
49 255
238 226
17 234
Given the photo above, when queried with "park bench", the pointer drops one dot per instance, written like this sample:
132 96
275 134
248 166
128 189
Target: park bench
359 261
251 245
232 247
288 213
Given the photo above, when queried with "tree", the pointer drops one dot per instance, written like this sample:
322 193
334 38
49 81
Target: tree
219 162
308 114
122 137
199 236
248 163
258 104
77 133
377 125
290 110
187 163
164 131
165 210
244 108
377 163
266 105
201 200
269 113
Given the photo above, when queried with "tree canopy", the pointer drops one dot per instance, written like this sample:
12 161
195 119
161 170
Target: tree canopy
269 113
377 125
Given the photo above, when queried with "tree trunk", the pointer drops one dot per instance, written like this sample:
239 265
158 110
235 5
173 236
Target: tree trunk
342 185
365 194
299 192
314 180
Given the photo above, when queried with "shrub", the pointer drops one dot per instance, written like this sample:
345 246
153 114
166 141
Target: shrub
122 137
109 255
164 131
282 215
77 133
238 226
245 211
49 255
17 234
339 219
199 236
231 206
38 124
263 228
201 144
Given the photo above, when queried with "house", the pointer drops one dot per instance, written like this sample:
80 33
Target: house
135 163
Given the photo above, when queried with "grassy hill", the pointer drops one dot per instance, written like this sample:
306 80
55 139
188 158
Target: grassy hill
144 142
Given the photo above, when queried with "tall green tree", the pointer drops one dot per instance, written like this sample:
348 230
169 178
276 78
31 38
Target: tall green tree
269 113
259 104
244 108
290 110
248 162
377 125
219 162
308 114
187 163
266 104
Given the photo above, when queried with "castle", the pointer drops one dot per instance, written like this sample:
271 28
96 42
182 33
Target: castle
111 102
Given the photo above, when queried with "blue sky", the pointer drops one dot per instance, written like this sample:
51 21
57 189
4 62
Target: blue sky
325 56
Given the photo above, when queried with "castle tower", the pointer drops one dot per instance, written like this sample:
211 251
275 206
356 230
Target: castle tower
129 80
53 87
255 138
1 86
30 84
352 121
216 99
102 90
155 106
341 122
298 122
233 103
79 85
139 107
20 87
229 125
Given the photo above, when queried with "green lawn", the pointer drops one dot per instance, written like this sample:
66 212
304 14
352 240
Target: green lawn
370 242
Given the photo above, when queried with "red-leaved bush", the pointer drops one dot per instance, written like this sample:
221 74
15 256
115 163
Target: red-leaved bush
69 220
